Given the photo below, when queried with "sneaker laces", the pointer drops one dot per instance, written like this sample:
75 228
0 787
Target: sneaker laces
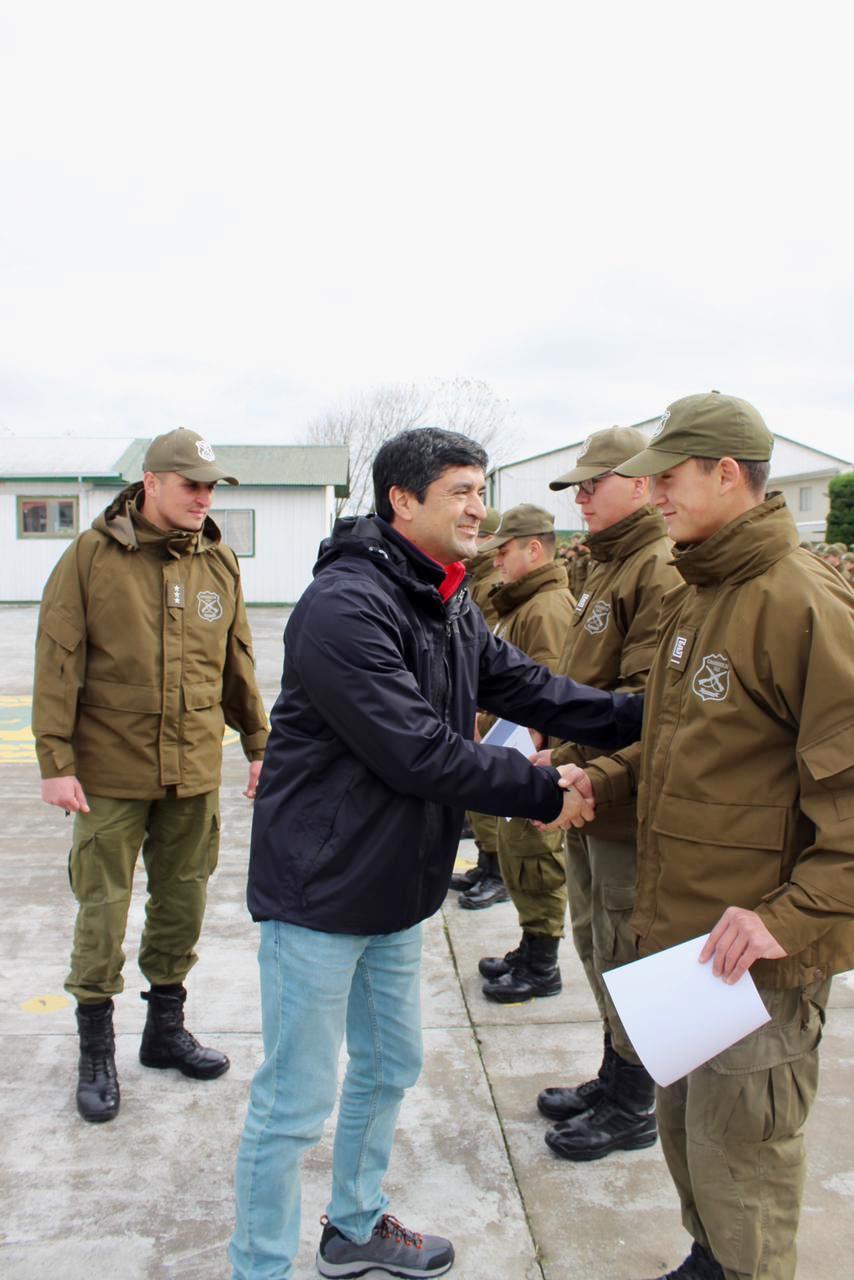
389 1227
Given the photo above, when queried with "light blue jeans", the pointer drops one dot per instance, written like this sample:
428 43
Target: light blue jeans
314 986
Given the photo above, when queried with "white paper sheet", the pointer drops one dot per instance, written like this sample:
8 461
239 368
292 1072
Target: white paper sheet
504 733
677 1014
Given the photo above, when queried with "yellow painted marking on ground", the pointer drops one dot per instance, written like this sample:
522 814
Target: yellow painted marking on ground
17 743
45 1004
463 864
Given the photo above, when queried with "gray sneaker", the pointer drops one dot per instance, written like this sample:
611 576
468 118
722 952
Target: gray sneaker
392 1248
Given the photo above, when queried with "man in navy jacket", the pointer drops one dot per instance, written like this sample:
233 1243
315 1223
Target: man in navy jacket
368 771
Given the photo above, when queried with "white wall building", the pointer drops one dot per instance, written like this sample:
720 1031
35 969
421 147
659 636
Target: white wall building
801 472
52 489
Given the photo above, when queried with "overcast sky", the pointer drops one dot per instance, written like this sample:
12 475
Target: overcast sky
232 216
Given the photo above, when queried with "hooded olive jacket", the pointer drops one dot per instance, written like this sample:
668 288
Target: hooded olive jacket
613 634
483 579
746 795
143 654
533 614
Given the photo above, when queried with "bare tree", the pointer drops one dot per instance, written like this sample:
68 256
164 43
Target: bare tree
363 423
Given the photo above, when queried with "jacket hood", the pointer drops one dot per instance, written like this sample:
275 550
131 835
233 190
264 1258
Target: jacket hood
742 549
510 595
628 535
123 521
372 538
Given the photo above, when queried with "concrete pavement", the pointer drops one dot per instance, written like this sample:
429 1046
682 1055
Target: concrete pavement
148 1197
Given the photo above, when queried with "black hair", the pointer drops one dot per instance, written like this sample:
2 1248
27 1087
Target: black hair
756 472
413 459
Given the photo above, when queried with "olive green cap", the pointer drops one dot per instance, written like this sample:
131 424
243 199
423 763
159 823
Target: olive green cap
838 548
524 521
187 453
491 523
704 426
601 454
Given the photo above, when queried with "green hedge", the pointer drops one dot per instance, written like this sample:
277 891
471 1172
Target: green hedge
840 520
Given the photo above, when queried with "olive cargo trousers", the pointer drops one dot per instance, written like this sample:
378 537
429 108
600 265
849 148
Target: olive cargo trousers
731 1135
600 877
485 828
180 845
533 867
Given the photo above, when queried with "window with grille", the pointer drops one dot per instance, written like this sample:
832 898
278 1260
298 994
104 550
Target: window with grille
805 498
47 517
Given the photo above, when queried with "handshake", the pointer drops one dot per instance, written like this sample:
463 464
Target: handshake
579 803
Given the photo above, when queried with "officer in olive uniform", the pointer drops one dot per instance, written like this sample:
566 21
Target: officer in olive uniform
746 820
610 644
481 885
143 654
534 608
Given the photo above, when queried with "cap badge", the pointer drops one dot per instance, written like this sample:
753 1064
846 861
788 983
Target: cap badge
583 450
662 423
204 450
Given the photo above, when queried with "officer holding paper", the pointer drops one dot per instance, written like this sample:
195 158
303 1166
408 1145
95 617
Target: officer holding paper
745 793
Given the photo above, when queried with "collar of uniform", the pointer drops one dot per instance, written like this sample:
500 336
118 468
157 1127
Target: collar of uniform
628 535
549 577
742 549
174 542
480 566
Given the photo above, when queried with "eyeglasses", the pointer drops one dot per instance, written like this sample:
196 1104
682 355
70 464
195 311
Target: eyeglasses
589 486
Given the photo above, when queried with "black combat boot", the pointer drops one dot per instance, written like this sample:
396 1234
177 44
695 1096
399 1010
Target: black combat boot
463 880
167 1043
536 974
701 1264
623 1121
488 890
562 1103
98 1085
496 966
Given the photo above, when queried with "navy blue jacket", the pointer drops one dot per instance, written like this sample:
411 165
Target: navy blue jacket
370 764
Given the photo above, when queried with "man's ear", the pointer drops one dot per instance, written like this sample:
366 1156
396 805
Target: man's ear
402 502
730 474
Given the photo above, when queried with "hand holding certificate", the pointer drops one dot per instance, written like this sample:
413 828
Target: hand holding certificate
678 1014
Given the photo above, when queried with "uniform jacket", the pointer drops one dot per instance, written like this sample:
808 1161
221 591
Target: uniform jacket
370 763
579 568
533 614
483 579
611 640
747 763
143 654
